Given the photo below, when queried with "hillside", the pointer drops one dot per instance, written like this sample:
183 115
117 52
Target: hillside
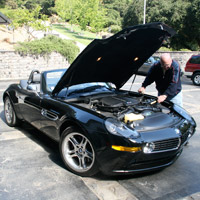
9 38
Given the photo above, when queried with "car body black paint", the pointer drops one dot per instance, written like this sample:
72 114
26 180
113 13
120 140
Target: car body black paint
165 126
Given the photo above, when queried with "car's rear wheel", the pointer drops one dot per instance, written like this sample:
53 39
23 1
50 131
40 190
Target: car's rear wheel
196 79
78 152
9 112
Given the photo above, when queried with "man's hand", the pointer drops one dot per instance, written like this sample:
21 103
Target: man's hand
141 90
161 98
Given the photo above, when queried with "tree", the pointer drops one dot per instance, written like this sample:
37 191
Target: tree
134 14
44 4
82 12
31 5
11 4
191 28
2 3
89 13
97 19
115 11
112 17
31 21
66 10
121 6
182 15
179 14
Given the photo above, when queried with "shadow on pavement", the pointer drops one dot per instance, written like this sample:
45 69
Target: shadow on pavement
104 177
52 148
41 139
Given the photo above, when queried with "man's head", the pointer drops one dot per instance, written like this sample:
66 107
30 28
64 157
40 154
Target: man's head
166 61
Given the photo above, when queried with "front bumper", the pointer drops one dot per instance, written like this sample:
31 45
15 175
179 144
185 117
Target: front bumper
168 142
146 166
115 163
188 74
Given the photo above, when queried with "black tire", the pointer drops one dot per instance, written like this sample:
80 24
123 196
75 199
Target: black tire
77 152
9 113
196 78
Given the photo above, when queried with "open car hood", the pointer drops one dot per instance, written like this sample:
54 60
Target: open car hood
117 58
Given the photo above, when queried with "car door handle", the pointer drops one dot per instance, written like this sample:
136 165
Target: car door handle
49 115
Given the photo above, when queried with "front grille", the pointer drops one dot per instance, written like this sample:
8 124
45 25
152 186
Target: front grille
166 145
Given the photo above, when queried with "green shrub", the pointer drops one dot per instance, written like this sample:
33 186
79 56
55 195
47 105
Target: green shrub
115 28
49 44
171 49
184 50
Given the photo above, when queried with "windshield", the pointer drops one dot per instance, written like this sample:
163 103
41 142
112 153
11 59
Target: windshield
52 78
86 88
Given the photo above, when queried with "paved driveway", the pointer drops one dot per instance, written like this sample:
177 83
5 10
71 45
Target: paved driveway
31 168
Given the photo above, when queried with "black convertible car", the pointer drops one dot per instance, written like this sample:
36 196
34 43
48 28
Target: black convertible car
98 125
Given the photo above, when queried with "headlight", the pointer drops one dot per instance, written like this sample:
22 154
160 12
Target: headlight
184 126
118 128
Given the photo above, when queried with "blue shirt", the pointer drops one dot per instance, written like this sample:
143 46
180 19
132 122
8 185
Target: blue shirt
168 83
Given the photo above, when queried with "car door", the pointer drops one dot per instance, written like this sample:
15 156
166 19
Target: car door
51 112
29 105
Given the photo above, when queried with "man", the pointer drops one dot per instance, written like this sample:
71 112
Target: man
166 75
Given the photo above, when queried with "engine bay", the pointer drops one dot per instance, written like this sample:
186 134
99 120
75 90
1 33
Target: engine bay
139 111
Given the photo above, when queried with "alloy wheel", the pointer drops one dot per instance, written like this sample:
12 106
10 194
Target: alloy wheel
197 79
8 109
78 152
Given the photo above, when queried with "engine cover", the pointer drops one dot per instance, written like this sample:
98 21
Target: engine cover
115 103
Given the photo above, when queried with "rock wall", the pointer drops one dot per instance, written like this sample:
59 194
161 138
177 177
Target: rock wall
16 66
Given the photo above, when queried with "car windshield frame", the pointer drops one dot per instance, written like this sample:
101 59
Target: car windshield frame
50 79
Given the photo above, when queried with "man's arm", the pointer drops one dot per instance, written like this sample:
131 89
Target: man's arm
149 78
161 98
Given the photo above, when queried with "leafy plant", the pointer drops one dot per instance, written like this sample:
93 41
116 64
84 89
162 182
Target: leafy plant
49 44
30 20
115 28
82 12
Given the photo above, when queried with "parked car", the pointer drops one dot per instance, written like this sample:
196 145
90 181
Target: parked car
143 70
98 126
192 69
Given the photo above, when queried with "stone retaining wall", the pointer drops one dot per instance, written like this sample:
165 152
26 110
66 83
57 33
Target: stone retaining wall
16 66
181 56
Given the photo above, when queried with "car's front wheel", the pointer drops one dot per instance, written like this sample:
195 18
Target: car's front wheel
9 112
78 152
196 79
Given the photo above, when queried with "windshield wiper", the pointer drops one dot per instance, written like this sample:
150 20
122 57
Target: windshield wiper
87 89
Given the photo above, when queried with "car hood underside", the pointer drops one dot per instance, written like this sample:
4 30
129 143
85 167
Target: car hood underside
117 58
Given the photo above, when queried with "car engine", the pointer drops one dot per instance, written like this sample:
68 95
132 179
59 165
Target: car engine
139 112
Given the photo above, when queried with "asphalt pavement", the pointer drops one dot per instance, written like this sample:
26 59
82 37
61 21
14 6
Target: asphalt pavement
31 168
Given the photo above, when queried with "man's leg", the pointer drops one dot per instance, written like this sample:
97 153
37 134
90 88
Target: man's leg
178 99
